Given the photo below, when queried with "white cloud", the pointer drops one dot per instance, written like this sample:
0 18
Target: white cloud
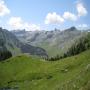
53 18
3 8
81 9
83 26
69 16
31 27
17 23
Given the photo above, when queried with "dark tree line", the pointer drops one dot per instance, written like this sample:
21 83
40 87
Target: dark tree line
5 55
79 46
55 58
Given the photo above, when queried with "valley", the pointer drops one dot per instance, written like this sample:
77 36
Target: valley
32 69
54 42
44 45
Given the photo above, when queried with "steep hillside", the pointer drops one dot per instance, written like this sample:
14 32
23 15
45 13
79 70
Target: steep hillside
54 42
31 73
81 44
9 41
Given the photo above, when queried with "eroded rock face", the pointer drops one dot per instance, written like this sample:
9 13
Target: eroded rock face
8 41
59 40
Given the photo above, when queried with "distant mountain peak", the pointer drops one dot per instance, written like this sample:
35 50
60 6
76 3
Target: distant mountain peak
10 42
73 28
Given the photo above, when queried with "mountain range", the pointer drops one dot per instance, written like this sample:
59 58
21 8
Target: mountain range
8 41
54 42
23 71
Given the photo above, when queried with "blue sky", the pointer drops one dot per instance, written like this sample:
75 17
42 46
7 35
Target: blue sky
44 14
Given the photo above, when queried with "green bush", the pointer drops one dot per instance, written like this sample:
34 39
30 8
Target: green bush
5 55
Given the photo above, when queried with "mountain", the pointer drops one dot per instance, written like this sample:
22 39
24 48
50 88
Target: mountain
8 41
27 72
54 42
80 45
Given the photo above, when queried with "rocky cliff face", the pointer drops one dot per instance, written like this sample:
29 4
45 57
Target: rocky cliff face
54 42
10 42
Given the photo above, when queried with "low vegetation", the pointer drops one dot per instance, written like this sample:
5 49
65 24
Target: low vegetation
5 55
77 47
70 71
32 73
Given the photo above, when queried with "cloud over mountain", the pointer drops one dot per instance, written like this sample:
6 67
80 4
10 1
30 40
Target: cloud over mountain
31 27
18 23
69 16
53 18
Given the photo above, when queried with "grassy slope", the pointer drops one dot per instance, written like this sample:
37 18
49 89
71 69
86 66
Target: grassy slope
27 73
54 50
60 43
